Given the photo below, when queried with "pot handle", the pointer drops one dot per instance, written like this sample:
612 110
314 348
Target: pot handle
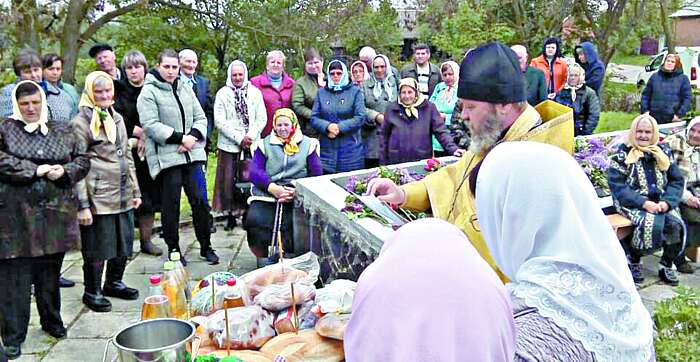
104 354
195 347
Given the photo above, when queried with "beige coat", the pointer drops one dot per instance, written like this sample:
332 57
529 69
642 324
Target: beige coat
111 183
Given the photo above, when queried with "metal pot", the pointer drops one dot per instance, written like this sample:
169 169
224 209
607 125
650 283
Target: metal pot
154 340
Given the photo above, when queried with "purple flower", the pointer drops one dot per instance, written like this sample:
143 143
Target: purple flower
350 185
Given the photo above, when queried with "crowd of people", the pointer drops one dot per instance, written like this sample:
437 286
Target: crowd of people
81 170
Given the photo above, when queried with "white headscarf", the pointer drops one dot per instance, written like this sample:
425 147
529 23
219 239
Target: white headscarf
43 117
544 228
384 84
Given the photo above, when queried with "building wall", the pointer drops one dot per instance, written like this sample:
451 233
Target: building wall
687 30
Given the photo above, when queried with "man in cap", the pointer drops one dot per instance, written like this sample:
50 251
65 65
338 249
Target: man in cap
106 60
492 94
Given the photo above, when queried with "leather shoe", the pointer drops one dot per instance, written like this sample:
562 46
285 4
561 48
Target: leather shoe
147 247
97 302
685 268
13 352
210 256
119 290
65 283
55 332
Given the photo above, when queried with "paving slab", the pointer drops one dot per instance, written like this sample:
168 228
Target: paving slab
92 325
80 350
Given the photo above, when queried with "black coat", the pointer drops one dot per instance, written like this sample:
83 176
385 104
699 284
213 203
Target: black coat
667 94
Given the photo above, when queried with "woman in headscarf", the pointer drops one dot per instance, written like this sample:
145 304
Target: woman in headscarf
445 98
358 72
279 159
572 295
107 196
240 116
380 90
276 86
306 88
408 127
582 99
40 161
668 94
338 116
647 187
685 146
430 301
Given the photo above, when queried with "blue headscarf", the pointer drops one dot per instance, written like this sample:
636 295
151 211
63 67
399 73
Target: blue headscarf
344 81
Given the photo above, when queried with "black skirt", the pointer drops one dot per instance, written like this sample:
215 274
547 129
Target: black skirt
109 236
260 222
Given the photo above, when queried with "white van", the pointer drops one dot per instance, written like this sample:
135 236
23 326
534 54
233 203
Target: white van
689 59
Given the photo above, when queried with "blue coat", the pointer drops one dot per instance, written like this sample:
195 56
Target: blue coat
346 108
667 94
201 90
594 67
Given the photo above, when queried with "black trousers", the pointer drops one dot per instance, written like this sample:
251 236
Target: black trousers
18 275
192 179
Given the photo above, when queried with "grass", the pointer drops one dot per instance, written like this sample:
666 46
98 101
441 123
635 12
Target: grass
614 121
633 59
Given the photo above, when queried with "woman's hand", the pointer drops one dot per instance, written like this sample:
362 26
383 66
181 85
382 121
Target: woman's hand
136 202
334 129
57 171
85 217
663 206
281 193
188 141
42 170
379 119
651 207
246 142
693 202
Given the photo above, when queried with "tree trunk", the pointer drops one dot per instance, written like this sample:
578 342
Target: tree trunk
70 38
666 24
27 14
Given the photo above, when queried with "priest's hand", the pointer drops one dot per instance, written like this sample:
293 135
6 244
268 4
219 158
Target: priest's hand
386 190
459 153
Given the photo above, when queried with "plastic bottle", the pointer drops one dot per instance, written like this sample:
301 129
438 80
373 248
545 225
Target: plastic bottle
232 297
182 273
176 294
156 303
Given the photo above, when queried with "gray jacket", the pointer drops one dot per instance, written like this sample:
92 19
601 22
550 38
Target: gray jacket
164 113
371 134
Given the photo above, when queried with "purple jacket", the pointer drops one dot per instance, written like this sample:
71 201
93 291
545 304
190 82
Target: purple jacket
274 98
408 140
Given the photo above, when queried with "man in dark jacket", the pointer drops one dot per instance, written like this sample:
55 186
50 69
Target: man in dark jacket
587 57
534 78
425 73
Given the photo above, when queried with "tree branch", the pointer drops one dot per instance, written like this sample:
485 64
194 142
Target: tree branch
104 19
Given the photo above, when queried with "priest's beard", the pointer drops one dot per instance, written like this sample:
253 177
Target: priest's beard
487 137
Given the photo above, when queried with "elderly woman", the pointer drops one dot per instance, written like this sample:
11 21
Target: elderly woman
306 88
380 90
107 196
667 94
279 159
40 161
408 127
582 99
572 294
467 316
126 95
686 151
647 187
358 73
276 87
239 115
445 98
338 116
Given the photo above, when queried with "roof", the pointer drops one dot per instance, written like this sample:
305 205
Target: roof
690 9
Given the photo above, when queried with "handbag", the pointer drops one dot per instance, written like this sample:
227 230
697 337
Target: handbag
245 162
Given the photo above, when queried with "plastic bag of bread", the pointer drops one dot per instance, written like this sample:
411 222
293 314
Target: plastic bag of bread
277 297
333 325
202 303
306 346
302 268
336 297
249 328
284 320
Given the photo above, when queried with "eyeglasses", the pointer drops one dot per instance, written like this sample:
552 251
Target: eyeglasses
339 72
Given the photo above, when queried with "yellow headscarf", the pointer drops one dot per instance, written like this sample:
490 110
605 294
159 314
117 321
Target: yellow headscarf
43 117
637 151
291 142
411 109
100 117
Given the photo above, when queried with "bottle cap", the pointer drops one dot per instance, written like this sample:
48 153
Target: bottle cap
175 256
168 265
154 279
231 282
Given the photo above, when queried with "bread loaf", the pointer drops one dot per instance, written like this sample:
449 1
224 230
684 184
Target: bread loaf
306 346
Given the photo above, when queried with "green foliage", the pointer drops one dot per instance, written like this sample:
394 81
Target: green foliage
620 97
373 27
614 121
631 59
678 325
7 76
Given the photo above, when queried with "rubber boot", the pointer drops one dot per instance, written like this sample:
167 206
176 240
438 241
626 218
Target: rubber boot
114 286
93 297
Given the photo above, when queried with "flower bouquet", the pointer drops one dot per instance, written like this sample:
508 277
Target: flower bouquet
593 155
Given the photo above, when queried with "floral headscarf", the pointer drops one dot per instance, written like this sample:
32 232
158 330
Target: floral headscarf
411 109
240 94
582 80
43 117
290 142
100 116
637 151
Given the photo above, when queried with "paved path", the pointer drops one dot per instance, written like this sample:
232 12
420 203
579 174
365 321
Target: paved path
88 332
624 73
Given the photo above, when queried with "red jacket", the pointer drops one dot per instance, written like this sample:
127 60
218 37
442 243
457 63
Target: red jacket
561 71
274 98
